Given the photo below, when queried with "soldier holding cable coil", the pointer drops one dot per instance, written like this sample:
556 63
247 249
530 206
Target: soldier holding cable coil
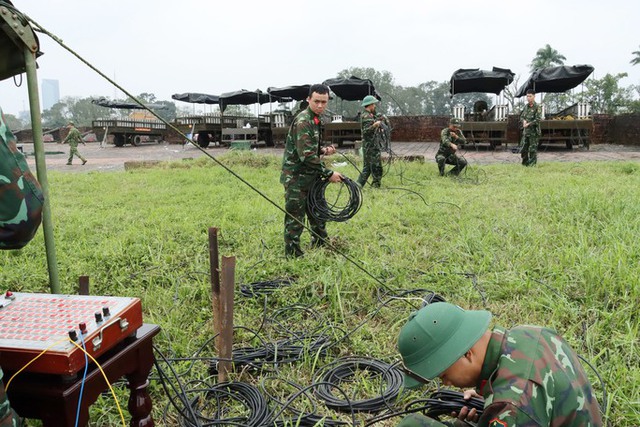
370 122
301 167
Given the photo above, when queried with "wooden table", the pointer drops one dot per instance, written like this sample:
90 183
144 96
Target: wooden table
54 399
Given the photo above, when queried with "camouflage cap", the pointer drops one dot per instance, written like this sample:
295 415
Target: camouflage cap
436 336
455 121
368 100
70 123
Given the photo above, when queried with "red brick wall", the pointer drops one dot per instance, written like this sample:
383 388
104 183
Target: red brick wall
417 128
600 132
625 129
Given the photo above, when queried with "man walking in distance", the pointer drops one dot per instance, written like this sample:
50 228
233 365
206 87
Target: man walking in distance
530 120
370 122
301 166
450 137
74 138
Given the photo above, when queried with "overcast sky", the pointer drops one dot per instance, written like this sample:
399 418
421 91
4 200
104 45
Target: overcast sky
166 47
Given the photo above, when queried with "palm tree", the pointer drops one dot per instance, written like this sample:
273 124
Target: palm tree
636 60
546 57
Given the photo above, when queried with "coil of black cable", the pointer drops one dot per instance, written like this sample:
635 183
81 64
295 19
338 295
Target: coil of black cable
444 402
256 412
344 370
321 210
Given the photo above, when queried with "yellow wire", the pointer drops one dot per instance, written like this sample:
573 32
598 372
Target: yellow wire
105 378
90 356
33 360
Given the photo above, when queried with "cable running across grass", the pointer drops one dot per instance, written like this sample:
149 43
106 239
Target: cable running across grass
40 29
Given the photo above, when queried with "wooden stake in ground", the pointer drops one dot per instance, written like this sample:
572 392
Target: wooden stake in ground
222 304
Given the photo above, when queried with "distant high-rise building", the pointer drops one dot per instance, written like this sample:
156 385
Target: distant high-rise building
50 93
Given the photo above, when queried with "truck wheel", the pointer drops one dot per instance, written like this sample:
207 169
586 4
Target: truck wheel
118 140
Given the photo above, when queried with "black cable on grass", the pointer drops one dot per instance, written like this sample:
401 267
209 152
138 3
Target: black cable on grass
219 396
321 210
308 417
289 313
425 296
183 406
350 161
295 346
317 420
605 403
345 370
444 402
264 287
274 353
40 29
476 286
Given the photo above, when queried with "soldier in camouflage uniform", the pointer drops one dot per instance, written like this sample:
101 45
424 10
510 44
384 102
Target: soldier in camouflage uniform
450 137
74 138
530 119
21 198
528 375
21 203
301 166
369 124
8 417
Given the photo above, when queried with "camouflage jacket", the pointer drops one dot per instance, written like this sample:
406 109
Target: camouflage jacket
367 119
73 138
21 198
531 378
446 140
301 157
532 114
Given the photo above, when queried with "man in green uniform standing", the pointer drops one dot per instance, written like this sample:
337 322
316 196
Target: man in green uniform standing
450 137
21 203
528 375
301 166
74 138
370 122
530 120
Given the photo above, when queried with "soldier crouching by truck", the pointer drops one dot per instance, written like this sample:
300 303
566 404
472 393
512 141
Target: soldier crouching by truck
450 137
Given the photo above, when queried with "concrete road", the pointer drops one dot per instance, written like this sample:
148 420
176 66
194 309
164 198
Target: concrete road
111 158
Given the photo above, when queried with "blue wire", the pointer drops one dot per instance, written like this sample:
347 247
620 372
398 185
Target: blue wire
84 377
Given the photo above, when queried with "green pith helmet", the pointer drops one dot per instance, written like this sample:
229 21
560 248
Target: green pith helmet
436 336
455 122
368 100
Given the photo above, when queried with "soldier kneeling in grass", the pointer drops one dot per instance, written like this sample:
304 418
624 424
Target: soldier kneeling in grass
528 375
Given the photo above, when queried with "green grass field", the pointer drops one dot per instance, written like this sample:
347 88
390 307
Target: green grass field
555 245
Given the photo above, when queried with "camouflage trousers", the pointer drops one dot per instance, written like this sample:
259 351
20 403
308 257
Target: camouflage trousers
8 417
372 165
419 420
73 151
529 151
295 202
459 163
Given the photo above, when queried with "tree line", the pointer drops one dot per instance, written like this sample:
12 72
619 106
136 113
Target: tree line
605 95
